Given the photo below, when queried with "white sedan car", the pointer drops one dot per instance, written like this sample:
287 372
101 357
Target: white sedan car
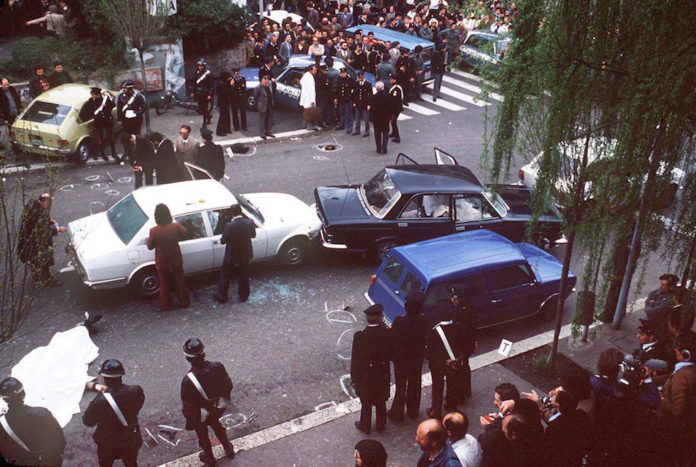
109 249
600 149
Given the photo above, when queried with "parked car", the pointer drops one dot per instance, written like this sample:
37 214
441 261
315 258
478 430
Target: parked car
411 202
600 160
406 42
484 49
287 91
109 250
51 124
278 16
504 281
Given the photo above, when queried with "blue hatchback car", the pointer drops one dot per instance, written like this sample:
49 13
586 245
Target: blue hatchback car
504 281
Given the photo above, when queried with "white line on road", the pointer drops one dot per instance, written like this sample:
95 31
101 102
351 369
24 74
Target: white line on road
420 109
403 116
472 88
459 95
447 105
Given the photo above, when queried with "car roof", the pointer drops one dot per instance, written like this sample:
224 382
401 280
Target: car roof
491 36
447 257
306 60
184 197
385 34
66 94
416 178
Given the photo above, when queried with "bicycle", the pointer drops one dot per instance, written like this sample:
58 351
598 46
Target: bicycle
171 99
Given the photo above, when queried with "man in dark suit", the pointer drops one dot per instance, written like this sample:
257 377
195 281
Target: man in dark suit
10 103
238 100
165 160
380 116
465 317
210 156
205 394
142 159
567 435
238 252
650 346
408 334
369 369
445 352
115 413
396 99
263 99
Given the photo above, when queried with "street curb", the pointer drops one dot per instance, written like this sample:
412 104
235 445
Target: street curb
253 140
320 417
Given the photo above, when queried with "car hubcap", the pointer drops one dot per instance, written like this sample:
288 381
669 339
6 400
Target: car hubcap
150 284
84 152
294 254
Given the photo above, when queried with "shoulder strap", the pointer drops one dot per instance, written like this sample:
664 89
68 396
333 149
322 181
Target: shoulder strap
13 435
445 342
196 383
117 410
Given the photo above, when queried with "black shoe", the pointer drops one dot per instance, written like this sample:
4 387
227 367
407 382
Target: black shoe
103 156
218 299
396 140
379 150
270 135
359 427
384 151
206 458
229 450
355 134
264 137
405 104
365 135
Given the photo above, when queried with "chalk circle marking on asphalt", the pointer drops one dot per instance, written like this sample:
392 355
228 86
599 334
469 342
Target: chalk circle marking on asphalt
326 147
124 179
70 187
99 186
112 192
233 151
92 178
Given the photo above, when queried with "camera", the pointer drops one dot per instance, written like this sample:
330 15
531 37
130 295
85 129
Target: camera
630 371
546 401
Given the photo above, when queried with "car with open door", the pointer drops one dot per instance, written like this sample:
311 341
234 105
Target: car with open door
109 249
409 202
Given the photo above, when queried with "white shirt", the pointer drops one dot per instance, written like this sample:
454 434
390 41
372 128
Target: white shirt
308 95
468 451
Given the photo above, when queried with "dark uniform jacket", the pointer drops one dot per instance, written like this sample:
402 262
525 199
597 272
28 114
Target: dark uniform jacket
110 431
237 236
5 105
658 351
165 163
360 61
396 99
36 235
435 349
373 59
345 89
437 63
93 109
134 101
211 158
362 94
265 71
238 91
380 111
465 317
369 364
203 84
144 153
216 383
408 335
39 430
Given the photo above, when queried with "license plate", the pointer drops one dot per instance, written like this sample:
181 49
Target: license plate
35 140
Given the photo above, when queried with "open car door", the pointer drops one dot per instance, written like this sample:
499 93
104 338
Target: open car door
444 158
197 173
403 159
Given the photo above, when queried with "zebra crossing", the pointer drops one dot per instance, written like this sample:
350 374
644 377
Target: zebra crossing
460 90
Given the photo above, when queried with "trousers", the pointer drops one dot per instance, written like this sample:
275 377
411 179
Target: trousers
105 134
223 284
149 177
126 451
202 433
407 376
345 112
442 375
360 115
238 106
366 414
173 275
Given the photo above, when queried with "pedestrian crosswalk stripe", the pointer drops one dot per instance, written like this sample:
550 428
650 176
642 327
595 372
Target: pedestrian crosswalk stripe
470 76
447 105
472 88
460 95
420 109
403 117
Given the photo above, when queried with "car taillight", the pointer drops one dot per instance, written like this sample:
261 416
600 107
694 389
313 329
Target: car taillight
372 280
63 143
520 174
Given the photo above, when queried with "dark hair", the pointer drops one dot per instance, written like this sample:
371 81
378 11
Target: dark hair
185 127
38 67
529 412
508 391
687 343
372 453
235 210
56 63
516 427
670 278
438 435
566 401
162 214
156 136
608 362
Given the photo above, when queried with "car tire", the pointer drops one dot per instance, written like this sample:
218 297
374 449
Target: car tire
146 282
381 249
250 102
548 309
293 252
83 152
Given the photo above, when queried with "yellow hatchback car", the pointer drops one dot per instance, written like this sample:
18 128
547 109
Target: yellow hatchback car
51 124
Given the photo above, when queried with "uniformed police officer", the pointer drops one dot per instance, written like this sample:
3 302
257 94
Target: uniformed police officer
205 394
115 413
396 100
408 335
28 435
99 107
344 101
267 70
369 369
361 104
203 86
130 107
465 317
210 155
238 100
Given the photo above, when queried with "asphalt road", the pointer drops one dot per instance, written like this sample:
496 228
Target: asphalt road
288 347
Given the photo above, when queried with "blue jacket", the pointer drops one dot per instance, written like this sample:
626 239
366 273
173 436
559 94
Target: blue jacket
446 458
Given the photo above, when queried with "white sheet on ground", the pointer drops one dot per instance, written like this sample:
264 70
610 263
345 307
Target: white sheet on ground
54 376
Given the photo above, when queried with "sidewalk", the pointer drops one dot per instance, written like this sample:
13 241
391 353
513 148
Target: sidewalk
327 437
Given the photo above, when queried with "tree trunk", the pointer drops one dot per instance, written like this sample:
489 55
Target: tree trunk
561 301
142 73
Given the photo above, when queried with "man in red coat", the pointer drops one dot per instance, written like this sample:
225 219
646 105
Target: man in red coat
164 239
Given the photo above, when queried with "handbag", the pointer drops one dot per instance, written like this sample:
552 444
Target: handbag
312 114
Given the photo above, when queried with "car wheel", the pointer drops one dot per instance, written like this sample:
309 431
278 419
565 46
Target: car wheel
146 282
548 310
382 248
251 103
293 252
83 152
